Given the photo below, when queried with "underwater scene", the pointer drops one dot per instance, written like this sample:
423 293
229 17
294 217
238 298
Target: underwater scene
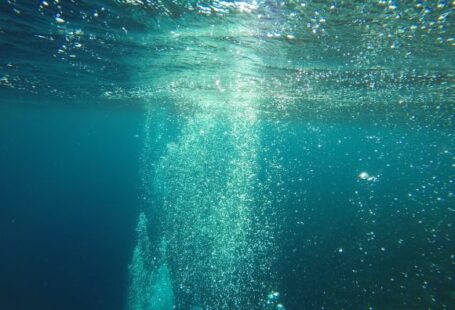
224 155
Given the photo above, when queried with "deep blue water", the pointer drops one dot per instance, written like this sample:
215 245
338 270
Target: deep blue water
69 205
214 155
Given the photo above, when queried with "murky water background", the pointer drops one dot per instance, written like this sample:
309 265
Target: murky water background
227 155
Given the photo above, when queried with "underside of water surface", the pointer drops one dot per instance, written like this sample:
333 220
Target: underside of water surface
222 155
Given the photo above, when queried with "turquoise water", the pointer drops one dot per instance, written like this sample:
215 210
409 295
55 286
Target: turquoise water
227 154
